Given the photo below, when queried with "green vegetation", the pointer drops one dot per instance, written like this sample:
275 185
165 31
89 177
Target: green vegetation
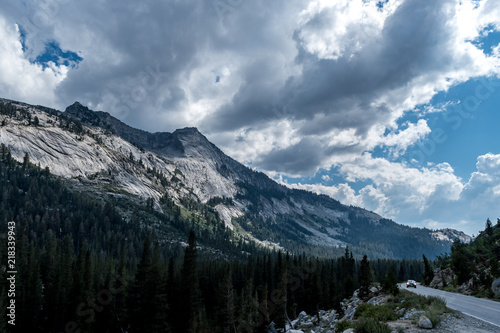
428 272
343 325
389 283
405 301
130 259
365 277
476 263
433 307
369 325
377 312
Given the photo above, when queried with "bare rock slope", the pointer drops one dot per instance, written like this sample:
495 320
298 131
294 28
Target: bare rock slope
97 149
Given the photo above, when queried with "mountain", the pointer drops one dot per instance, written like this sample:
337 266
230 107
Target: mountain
451 235
95 152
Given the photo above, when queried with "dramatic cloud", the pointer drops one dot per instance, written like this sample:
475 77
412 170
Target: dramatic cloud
361 68
20 79
427 195
288 87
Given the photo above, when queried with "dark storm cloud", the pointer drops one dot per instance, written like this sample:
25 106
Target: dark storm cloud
252 103
340 93
150 62
300 158
409 42
304 157
342 90
177 39
151 44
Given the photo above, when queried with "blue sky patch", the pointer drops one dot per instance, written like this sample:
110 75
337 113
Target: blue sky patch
22 37
465 129
54 53
489 39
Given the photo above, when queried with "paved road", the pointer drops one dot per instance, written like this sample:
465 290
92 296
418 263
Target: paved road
483 309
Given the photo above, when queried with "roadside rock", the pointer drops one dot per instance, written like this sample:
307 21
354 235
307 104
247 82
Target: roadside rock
350 306
442 278
378 300
467 287
308 323
424 322
411 314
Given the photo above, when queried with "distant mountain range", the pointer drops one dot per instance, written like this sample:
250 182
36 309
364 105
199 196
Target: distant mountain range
98 153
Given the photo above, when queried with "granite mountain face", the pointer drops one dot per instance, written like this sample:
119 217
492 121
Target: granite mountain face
103 155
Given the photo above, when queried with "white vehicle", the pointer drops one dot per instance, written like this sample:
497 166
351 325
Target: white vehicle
411 283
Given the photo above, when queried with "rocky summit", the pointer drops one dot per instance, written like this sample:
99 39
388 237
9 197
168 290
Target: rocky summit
102 154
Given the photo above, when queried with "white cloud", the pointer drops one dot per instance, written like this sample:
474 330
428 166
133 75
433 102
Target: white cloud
482 189
302 85
334 29
326 178
342 192
431 197
408 189
407 137
19 78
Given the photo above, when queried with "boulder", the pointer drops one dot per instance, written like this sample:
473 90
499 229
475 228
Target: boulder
350 330
442 278
424 322
495 287
466 288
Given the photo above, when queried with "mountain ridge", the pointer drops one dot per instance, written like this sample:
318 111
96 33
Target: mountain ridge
98 150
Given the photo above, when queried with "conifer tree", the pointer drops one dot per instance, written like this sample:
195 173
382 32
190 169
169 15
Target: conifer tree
156 282
402 271
226 304
139 314
120 285
26 161
365 277
280 297
191 314
248 310
460 263
172 294
50 259
489 228
389 283
264 318
428 272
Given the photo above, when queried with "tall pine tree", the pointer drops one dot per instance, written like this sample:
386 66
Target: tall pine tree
365 277
192 313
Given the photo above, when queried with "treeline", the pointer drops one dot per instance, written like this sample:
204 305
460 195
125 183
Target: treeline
83 267
476 263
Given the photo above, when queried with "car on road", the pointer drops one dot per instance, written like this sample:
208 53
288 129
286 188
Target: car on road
411 283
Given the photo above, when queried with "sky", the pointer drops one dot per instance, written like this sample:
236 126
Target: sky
390 105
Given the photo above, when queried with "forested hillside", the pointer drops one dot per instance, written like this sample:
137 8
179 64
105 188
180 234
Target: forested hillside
475 265
106 264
